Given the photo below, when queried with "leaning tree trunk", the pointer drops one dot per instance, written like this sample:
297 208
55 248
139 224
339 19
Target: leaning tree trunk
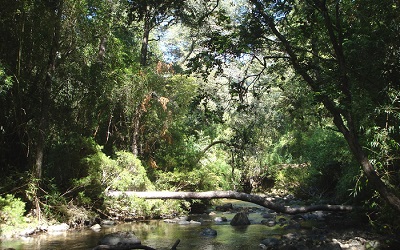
256 199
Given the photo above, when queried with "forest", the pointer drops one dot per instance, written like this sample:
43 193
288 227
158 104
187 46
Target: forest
254 96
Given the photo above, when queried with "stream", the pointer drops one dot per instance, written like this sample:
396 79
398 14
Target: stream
161 235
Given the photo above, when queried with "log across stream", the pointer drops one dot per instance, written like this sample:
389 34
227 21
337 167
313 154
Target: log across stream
256 199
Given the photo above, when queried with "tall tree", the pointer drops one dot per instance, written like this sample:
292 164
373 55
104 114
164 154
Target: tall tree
60 61
152 14
38 39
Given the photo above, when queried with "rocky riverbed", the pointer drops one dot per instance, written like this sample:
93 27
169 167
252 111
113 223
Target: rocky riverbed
217 228
316 230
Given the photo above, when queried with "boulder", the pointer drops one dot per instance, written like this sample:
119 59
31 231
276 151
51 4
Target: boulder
240 219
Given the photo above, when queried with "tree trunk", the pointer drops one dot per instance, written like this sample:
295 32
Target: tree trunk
256 199
145 39
45 100
136 127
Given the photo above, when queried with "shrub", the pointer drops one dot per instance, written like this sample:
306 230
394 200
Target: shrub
11 210
131 174
291 178
210 177
125 172
130 207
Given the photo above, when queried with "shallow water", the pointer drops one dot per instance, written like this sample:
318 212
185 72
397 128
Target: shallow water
160 235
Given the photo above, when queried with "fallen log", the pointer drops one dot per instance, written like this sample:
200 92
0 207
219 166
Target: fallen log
256 199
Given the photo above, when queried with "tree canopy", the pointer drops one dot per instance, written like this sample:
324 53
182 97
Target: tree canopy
199 96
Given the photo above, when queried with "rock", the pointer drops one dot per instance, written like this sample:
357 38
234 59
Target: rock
240 219
269 223
209 232
108 222
225 207
270 242
317 215
28 231
262 246
170 221
183 222
95 227
58 228
282 221
195 222
220 219
120 238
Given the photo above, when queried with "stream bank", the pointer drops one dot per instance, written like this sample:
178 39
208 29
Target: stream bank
267 230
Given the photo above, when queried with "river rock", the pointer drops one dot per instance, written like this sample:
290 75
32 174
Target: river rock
270 243
120 238
220 219
183 222
170 221
95 227
317 215
28 231
107 222
240 219
269 223
58 228
209 232
195 222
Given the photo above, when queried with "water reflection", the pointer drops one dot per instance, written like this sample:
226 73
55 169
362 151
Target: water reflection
157 234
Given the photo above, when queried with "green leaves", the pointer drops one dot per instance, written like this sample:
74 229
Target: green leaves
5 82
11 210
123 173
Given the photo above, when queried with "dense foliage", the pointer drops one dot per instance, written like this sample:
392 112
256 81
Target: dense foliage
257 95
